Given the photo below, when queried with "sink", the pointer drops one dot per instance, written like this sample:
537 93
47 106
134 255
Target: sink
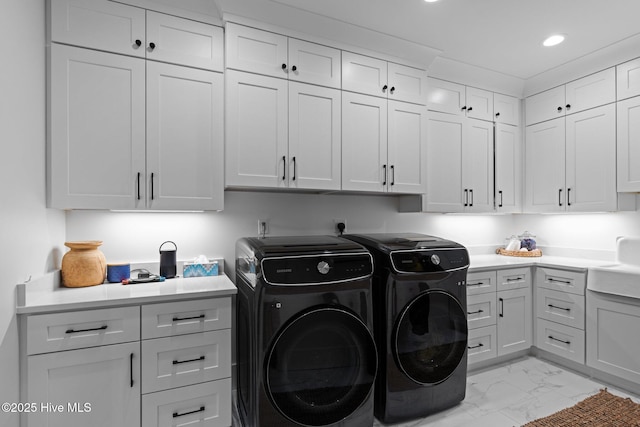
623 277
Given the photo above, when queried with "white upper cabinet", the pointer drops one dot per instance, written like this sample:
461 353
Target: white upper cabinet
128 30
508 168
579 95
372 76
406 150
275 55
479 104
628 145
445 96
628 79
506 109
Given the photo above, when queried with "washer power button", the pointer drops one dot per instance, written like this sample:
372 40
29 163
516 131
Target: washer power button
323 267
435 259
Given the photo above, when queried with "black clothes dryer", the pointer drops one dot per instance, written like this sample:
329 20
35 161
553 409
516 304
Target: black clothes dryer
305 348
420 326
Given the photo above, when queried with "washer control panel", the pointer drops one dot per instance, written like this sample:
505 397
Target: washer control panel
430 261
316 269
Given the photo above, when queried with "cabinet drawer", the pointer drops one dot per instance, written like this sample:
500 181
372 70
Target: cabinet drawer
560 307
185 359
185 317
79 329
560 280
481 282
207 404
514 278
562 340
482 344
481 310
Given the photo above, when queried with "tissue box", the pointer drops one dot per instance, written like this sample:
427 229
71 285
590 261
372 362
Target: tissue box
192 269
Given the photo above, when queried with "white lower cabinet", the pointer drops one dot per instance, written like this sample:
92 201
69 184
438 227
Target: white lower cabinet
481 344
514 320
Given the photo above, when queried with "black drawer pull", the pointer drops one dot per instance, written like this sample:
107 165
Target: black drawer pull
562 341
179 319
559 308
475 312
475 284
552 280
177 362
75 331
515 279
176 415
470 347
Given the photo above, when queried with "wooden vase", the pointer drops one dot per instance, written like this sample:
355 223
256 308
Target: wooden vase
83 265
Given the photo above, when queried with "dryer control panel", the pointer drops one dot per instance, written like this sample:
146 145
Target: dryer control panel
316 269
430 261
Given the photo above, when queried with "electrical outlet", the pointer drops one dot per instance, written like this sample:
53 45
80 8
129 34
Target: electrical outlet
337 221
263 227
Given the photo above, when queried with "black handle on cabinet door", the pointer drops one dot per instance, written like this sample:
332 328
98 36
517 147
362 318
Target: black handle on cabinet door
474 312
562 341
294 68
501 307
559 308
500 193
284 66
179 319
464 107
152 185
131 370
198 359
568 196
497 114
152 45
138 185
475 346
76 331
393 89
568 106
284 168
384 88
466 197
393 175
384 168
138 42
559 109
293 178
471 194
560 197
470 108
176 415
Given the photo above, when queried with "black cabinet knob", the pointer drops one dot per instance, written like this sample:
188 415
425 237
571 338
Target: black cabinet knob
464 107
152 45
138 42
568 106
470 108
497 114
284 66
393 88
294 68
384 88
559 109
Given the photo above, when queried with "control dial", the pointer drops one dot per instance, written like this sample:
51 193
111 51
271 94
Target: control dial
323 267
435 259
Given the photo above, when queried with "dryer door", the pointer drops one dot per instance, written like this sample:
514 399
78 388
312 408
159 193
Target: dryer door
321 367
430 337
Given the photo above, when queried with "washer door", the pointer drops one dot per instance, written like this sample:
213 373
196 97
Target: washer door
430 337
321 367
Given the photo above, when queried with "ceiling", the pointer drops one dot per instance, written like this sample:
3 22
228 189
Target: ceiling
504 36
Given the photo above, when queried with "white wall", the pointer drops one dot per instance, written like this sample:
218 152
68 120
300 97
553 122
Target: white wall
136 237
31 235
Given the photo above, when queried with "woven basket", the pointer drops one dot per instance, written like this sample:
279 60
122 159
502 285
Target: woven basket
533 253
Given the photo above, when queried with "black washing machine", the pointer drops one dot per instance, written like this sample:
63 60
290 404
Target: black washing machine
419 291
305 348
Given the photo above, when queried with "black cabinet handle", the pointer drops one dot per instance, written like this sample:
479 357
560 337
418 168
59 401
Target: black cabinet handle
559 340
294 68
559 109
497 114
393 89
179 319
475 284
559 308
138 42
464 107
475 312
152 45
152 185
500 193
515 279
501 307
294 167
475 346
470 108
568 196
560 197
384 88
393 175
138 185
177 362
176 415
131 370
75 331
553 280
568 106
471 191
284 168
384 168
284 66
466 197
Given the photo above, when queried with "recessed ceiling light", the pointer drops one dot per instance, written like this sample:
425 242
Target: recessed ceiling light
431 1
553 40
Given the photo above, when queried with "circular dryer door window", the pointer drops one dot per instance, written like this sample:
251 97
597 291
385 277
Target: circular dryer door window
431 337
321 367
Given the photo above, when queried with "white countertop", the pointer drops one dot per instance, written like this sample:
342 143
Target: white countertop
484 262
45 294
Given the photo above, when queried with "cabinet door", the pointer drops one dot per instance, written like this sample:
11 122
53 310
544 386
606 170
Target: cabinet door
407 83
314 63
514 320
106 378
445 96
591 91
508 168
477 166
256 129
628 145
97 145
315 139
101 25
184 138
506 109
444 162
407 148
591 160
544 106
628 79
184 42
364 143
479 104
545 167
364 74
257 51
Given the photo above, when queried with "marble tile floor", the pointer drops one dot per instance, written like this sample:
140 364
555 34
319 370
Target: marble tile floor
514 394
511 395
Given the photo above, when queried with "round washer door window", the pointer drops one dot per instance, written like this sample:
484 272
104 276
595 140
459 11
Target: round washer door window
431 337
321 367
